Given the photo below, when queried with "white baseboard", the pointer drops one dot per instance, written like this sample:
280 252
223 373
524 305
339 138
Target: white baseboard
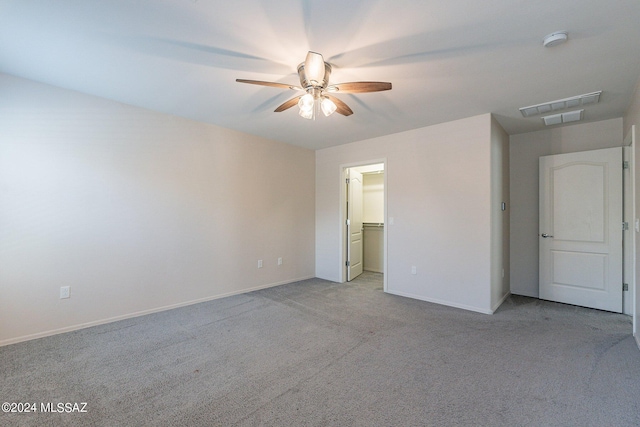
141 313
442 302
638 340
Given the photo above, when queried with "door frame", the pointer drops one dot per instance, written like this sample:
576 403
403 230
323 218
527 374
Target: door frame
630 199
628 238
342 249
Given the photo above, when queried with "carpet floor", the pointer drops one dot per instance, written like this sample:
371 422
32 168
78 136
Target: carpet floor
317 353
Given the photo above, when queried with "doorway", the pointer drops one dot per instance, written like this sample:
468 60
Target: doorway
364 212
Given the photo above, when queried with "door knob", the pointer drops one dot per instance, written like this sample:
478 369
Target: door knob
545 235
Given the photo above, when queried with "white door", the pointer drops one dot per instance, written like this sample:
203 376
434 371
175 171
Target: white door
354 224
581 228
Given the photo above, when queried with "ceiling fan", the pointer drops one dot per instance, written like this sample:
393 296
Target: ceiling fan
314 80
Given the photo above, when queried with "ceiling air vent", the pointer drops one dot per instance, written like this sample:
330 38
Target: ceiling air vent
568 117
561 104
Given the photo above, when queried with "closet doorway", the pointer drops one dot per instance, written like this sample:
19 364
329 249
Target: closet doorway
364 210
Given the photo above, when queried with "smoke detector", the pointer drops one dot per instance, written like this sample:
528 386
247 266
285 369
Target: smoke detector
555 39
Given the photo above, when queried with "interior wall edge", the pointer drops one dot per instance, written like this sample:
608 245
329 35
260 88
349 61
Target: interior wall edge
497 305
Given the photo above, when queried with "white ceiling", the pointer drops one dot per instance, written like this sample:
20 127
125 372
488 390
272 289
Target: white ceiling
446 59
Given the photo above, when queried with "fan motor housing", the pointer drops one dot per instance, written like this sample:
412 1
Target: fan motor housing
305 83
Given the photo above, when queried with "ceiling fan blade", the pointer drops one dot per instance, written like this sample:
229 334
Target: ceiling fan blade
271 84
314 68
342 108
359 87
290 103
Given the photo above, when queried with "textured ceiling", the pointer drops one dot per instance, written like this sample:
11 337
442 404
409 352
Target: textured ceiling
446 59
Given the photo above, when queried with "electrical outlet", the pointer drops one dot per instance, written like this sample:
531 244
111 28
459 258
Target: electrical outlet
280 261
259 263
65 292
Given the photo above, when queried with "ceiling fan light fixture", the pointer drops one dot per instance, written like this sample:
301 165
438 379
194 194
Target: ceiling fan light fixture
314 76
314 68
306 102
307 114
328 106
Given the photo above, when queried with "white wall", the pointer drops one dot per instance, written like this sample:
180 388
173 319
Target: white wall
137 211
499 218
632 118
373 197
438 194
373 217
373 248
524 152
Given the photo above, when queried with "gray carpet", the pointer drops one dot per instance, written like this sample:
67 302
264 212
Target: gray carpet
316 353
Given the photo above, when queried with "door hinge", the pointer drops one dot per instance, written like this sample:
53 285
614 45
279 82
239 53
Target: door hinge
348 263
625 165
348 222
348 180
625 286
625 226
